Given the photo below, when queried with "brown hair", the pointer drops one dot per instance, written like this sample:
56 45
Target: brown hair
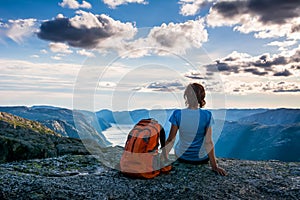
194 95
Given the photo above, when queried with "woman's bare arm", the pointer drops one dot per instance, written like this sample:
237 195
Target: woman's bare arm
171 139
209 146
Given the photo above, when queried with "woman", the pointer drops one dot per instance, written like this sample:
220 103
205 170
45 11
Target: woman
194 125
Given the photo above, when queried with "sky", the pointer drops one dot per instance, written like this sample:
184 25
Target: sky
133 54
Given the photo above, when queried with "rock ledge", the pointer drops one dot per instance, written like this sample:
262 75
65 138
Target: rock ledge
86 177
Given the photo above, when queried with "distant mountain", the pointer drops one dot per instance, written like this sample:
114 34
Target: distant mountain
274 117
43 106
123 117
40 113
22 139
61 120
254 141
253 134
235 114
132 117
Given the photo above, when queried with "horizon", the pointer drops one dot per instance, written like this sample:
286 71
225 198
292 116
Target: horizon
126 55
137 109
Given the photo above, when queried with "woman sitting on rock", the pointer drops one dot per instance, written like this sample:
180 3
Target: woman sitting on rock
194 125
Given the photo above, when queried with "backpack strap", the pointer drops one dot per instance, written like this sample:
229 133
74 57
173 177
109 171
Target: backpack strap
165 167
162 138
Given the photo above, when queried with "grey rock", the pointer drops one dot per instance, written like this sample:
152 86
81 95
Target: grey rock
89 177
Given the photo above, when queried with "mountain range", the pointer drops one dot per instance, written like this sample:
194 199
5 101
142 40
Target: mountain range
252 134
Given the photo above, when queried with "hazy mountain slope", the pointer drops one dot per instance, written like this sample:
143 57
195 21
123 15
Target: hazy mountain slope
273 117
259 142
129 117
62 127
236 114
62 121
25 139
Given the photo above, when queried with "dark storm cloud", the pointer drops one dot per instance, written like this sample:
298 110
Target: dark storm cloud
283 73
296 57
267 64
255 71
283 87
295 67
268 11
230 59
222 67
230 9
263 57
62 30
287 90
295 29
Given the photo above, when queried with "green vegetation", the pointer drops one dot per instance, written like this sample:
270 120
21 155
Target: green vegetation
19 123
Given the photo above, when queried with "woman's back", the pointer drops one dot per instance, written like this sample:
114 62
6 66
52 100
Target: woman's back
192 124
195 143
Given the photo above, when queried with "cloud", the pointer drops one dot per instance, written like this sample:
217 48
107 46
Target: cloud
287 90
195 75
171 38
19 29
106 84
102 33
235 86
192 7
59 48
280 87
85 30
180 36
114 3
44 51
265 18
18 75
223 67
73 4
162 86
83 52
56 57
255 71
3 25
267 12
283 45
261 65
283 73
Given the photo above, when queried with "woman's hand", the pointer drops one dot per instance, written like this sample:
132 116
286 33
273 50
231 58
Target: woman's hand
219 171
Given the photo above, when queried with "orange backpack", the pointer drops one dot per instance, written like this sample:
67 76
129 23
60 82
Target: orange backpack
140 158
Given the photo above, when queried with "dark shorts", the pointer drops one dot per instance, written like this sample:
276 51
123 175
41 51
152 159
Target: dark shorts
200 162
